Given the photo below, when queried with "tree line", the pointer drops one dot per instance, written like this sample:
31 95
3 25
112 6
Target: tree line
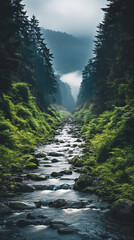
24 55
108 78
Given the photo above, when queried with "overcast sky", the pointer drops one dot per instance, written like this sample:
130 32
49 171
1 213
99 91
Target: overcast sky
78 17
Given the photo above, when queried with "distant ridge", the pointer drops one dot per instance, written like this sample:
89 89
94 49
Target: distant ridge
70 53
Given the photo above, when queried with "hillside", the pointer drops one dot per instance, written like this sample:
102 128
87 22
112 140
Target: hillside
70 53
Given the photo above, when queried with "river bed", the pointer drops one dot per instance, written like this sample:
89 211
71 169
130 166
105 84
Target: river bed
86 216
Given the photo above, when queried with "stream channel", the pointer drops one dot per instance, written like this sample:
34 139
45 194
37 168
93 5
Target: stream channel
82 217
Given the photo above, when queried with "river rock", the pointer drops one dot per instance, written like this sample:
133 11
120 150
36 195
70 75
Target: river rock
35 160
55 154
57 224
57 174
67 172
77 204
40 155
47 165
41 187
78 140
20 205
55 160
4 209
22 223
65 231
30 166
123 209
65 186
37 177
38 204
16 168
30 216
26 188
59 203
82 182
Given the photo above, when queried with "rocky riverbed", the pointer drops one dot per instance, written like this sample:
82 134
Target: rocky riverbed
47 207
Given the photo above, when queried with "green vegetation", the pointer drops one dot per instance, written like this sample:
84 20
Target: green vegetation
105 106
109 153
23 126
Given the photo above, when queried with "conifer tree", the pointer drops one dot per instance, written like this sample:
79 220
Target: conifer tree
8 44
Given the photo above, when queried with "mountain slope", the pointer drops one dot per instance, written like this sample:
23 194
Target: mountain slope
70 53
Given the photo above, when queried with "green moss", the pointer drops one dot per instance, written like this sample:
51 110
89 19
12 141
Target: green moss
23 126
31 166
109 153
77 162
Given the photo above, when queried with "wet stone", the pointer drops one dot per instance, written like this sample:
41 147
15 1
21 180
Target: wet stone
59 203
47 165
30 216
37 177
26 188
38 204
57 174
19 205
40 155
55 160
55 154
65 231
4 210
22 223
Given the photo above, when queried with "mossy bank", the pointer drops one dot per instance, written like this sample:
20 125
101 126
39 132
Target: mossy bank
23 126
108 156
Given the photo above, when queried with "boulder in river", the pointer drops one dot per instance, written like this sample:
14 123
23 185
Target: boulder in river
57 174
26 188
123 209
65 186
57 225
30 216
55 154
59 203
22 223
16 168
37 177
34 160
20 205
4 209
77 162
82 182
38 204
30 166
65 231
55 160
67 172
40 155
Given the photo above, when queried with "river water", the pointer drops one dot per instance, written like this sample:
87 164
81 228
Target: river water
86 215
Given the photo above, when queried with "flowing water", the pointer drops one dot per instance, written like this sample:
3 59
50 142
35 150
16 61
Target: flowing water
85 214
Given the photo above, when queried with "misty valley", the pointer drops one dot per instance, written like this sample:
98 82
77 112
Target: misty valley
66 120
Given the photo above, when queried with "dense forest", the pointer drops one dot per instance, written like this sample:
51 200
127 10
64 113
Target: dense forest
27 89
105 105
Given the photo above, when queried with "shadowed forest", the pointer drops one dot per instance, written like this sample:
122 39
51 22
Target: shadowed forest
42 126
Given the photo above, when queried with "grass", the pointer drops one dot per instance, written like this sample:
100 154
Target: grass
109 153
23 126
